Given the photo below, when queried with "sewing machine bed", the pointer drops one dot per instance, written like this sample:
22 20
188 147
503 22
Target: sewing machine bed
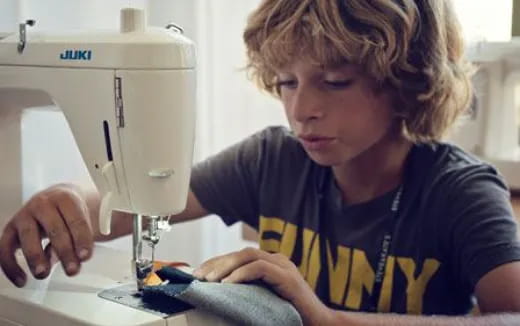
102 294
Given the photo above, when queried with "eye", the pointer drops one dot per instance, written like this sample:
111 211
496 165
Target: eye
339 84
289 83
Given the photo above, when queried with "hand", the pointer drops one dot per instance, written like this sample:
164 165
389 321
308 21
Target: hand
276 270
58 213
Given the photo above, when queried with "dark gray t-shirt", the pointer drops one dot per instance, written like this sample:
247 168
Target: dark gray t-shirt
453 225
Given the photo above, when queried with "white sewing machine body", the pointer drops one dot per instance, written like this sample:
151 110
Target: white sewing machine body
122 94
129 99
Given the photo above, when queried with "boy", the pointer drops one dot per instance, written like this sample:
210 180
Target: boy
359 207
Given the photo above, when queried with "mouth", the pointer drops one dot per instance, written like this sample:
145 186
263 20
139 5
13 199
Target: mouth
315 142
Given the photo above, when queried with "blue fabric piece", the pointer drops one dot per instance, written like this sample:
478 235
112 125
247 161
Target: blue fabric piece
162 297
244 304
174 275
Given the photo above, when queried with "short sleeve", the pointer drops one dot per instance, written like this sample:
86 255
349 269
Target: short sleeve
227 184
482 230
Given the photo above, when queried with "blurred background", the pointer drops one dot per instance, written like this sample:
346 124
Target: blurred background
229 106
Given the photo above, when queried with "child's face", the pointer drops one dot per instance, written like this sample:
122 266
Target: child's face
336 112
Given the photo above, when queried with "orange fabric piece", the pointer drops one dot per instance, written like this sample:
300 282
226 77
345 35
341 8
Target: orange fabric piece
153 279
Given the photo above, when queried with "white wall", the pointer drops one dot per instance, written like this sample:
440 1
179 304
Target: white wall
230 107
9 13
74 14
485 20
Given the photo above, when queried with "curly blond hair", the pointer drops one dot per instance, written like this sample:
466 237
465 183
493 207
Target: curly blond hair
414 47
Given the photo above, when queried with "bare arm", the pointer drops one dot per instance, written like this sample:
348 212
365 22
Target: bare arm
361 319
498 294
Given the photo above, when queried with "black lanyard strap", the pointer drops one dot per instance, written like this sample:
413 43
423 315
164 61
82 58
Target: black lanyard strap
385 249
384 253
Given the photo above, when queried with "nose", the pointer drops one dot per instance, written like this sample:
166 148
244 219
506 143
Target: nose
305 105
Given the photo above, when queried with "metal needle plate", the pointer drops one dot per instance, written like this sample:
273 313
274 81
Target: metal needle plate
127 295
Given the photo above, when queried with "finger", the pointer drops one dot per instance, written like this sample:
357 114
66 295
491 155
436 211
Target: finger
50 254
29 236
75 213
257 270
219 267
8 245
206 267
281 260
278 278
54 227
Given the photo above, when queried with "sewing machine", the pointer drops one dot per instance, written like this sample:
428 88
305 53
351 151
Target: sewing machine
129 99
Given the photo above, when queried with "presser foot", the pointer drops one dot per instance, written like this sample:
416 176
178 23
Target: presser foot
142 270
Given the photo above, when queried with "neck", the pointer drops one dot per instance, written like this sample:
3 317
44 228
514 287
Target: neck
375 172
